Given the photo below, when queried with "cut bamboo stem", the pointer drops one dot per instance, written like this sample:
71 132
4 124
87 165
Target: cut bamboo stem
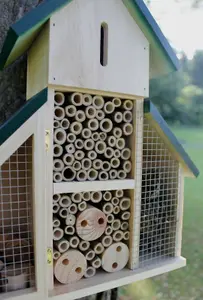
56 124
84 246
106 241
106 166
116 210
81 175
65 201
63 212
117 132
76 128
87 100
126 236
96 262
107 208
76 99
90 272
118 117
56 222
109 107
71 137
57 150
70 220
93 124
79 144
86 133
111 140
115 162
127 116
98 102
127 166
68 174
108 230
116 224
110 218
89 144
59 136
68 159
69 230
79 154
117 153
109 153
100 147
56 208
92 155
89 254
59 113
118 236
95 136
127 129
58 165
115 201
106 125
125 216
96 197
82 206
86 196
90 112
122 174
116 102
59 99
128 105
70 111
65 124
70 148
124 226
113 174
56 254
119 193
120 143
80 116
102 136
100 115
107 196
77 165
62 245
103 175
57 177
98 248
125 203
72 209
76 197
97 164
74 242
56 198
57 234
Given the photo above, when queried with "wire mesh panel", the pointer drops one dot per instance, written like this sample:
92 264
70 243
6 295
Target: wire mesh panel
16 221
159 199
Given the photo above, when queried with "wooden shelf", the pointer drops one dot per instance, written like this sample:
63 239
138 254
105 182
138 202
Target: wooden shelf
71 187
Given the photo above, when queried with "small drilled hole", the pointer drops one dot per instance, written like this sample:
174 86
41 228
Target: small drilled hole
101 221
65 262
78 270
118 249
114 265
84 223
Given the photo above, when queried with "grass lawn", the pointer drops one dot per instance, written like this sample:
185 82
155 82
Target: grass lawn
186 283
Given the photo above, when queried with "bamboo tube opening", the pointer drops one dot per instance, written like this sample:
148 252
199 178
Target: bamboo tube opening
56 124
90 112
86 164
89 144
116 210
117 132
118 236
89 255
82 175
62 245
56 198
76 197
65 124
70 219
77 166
63 212
109 152
98 102
110 218
57 234
126 235
76 128
80 116
59 113
97 164
118 117
124 226
96 197
115 201
109 107
90 272
96 263
107 208
117 153
58 165
70 111
125 216
99 248
116 224
86 133
122 174
106 166
119 193
57 177
82 206
56 222
93 124
125 203
127 129
103 175
127 116
65 201
70 148
69 230
107 196
79 154
100 147
59 98
126 154
106 125
111 141
72 209
68 174
76 99
56 254
95 136
87 100
108 230
113 174
92 174
92 155
57 150
100 115
120 143
74 241
128 105
84 245
79 144
107 241
59 136
86 196
68 159
71 137
127 166
115 162
103 136
116 102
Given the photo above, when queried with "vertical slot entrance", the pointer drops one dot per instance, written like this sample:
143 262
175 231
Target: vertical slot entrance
104 44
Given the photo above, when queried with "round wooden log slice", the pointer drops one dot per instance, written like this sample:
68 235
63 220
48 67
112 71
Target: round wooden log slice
70 267
115 257
91 224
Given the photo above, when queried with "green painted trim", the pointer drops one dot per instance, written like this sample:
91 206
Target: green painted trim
9 44
151 110
22 115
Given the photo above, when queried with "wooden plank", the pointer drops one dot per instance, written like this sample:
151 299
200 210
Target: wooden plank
179 225
104 281
71 187
27 294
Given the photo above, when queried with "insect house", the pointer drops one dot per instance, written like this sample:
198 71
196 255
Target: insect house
91 177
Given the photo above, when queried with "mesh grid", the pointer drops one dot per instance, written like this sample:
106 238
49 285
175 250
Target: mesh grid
16 221
159 199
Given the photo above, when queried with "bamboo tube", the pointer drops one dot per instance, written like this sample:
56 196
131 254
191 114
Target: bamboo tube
106 241
90 112
55 208
76 99
120 143
90 224
103 175
79 155
127 116
80 116
96 262
71 137
108 230
92 155
70 148
100 147
62 245
125 203
103 136
59 136
107 208
56 254
74 242
116 102
86 196
127 129
116 224
57 177
68 159
82 206
79 144
125 216
115 162
107 196
119 193
126 154
70 111
97 164
65 201
115 257
128 105
111 140
90 272
63 212
115 201
58 165
122 174
70 267
70 220
56 198
89 144
127 166
92 174
126 236
124 226
57 234
56 124
117 132
109 152
118 236
98 248
89 254
84 246
81 175
113 174
56 222
72 209
68 174
69 230
57 150
95 136
93 124
109 107
116 210
65 124
110 218
100 115
96 197
77 165
106 125
117 153
106 166
118 117
98 102
87 100
59 113
59 98
76 197
86 133
76 128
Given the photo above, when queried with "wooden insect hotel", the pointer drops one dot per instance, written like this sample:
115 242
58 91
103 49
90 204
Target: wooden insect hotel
91 177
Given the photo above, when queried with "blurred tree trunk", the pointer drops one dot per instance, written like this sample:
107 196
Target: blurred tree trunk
13 81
